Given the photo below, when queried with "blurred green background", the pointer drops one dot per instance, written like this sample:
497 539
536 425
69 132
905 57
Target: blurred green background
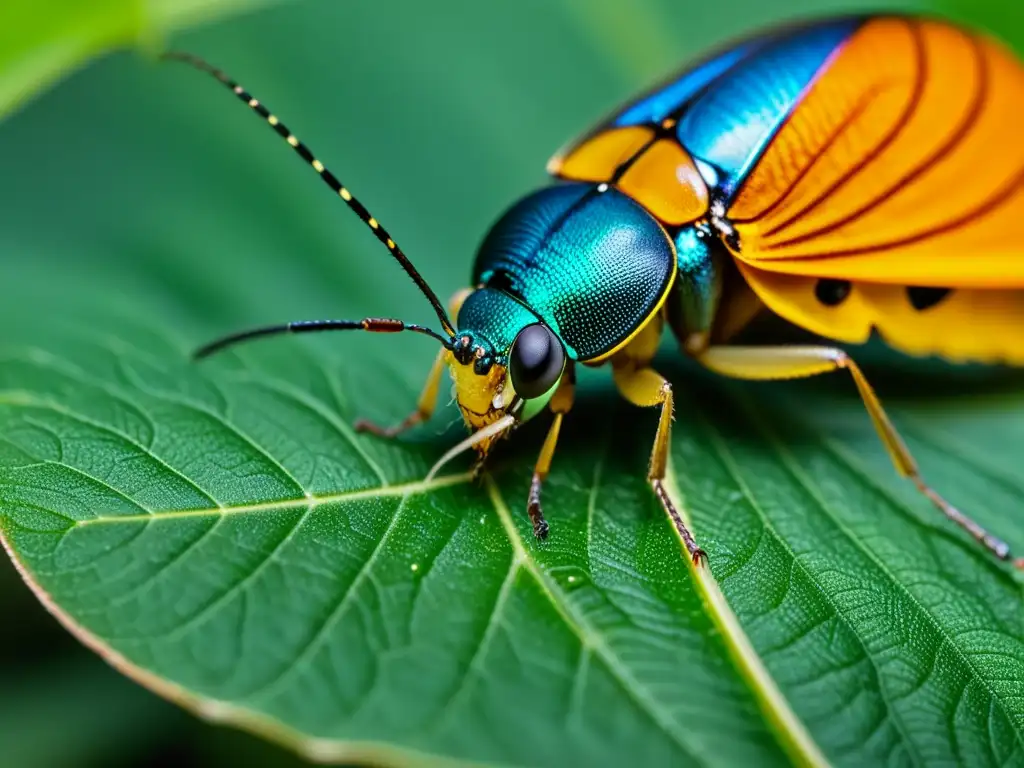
460 97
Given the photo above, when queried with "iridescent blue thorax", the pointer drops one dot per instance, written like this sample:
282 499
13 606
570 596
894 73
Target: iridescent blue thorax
585 259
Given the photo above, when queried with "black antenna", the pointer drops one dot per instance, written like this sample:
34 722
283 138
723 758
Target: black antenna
372 324
332 181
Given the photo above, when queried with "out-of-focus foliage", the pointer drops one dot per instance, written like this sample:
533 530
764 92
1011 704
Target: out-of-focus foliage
43 40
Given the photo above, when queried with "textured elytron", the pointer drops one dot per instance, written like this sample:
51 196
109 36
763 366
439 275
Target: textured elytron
592 264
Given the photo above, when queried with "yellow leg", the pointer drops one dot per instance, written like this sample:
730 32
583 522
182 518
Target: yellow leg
561 404
644 387
424 408
763 363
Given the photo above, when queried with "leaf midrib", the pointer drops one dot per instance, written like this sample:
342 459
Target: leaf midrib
313 500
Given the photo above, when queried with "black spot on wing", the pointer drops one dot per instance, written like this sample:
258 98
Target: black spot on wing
926 298
832 293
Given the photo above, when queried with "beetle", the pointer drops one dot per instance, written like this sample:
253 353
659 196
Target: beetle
850 175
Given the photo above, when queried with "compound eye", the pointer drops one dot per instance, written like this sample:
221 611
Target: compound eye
536 361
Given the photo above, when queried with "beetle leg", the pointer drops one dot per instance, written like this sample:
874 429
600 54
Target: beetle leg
561 404
763 363
646 388
424 408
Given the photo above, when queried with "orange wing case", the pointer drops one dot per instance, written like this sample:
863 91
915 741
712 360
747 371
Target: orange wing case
899 166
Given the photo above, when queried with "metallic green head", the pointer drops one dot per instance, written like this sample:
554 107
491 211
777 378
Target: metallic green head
505 360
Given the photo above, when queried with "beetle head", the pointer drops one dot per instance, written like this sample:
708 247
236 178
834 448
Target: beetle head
514 377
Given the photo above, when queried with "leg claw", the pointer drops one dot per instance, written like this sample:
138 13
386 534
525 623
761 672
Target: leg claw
365 425
540 525
697 555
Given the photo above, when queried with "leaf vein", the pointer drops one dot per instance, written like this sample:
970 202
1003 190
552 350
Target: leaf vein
320 409
475 669
18 398
347 597
798 474
719 444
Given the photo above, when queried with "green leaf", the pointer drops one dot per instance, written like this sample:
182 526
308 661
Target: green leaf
220 534
42 40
